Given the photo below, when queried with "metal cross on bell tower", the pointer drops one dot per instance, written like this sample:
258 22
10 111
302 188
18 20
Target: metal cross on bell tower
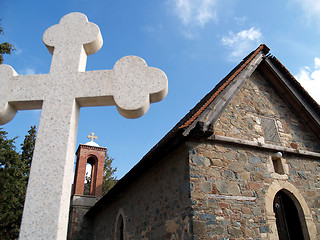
92 137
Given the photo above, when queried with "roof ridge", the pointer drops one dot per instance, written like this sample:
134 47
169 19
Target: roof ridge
262 47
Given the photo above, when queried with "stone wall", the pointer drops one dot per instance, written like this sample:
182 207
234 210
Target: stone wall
229 185
155 206
79 228
214 190
256 100
229 182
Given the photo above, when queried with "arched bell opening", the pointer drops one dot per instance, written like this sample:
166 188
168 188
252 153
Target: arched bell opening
90 179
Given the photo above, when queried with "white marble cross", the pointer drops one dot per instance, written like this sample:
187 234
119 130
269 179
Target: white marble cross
131 86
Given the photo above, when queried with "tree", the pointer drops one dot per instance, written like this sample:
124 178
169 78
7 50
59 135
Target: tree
5 48
14 174
27 148
109 180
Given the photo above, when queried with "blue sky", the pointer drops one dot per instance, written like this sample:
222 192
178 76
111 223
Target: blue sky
196 43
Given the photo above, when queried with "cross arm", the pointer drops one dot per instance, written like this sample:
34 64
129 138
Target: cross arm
18 93
131 85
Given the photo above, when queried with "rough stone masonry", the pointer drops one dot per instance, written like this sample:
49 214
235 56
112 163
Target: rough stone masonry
131 86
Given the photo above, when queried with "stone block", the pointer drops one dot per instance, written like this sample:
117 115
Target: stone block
199 227
245 175
234 189
264 229
218 230
206 187
246 210
254 159
200 160
225 223
83 200
256 211
222 186
207 216
229 174
316 202
236 167
257 176
216 162
234 231
224 205
214 173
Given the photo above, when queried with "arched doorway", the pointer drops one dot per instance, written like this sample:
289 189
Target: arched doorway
289 217
305 216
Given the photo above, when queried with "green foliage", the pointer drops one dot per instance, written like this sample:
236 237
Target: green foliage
14 173
109 180
27 148
5 48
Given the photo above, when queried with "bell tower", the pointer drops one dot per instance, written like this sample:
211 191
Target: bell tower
89 153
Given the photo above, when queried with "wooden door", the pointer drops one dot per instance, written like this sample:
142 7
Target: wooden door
287 218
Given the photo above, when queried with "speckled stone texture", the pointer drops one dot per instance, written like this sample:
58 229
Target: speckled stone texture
131 86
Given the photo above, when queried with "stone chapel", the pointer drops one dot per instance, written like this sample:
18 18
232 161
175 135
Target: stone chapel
244 163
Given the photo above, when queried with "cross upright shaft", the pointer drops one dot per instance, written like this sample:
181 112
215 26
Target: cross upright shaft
131 86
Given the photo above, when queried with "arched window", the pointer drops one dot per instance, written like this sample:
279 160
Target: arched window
90 179
290 219
87 179
119 234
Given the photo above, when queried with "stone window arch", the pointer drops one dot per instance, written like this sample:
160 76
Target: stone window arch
120 226
308 226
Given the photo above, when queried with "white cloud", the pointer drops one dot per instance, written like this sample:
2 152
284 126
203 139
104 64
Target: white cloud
312 9
317 63
28 71
309 78
195 12
242 42
240 20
